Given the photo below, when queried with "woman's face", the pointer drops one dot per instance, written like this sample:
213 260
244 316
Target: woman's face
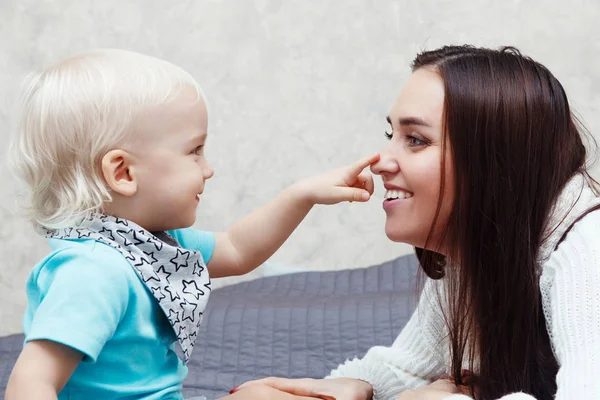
410 166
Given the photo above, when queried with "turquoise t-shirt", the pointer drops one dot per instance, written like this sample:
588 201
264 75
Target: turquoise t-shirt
87 296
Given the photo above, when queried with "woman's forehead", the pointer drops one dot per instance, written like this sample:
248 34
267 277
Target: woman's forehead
421 97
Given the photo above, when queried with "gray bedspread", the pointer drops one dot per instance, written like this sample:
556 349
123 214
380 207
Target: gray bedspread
299 325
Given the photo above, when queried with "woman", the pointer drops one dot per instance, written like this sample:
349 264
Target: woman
485 176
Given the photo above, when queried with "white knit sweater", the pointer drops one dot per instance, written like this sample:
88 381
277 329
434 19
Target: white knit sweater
570 288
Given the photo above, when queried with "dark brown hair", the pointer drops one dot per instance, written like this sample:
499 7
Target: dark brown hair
515 144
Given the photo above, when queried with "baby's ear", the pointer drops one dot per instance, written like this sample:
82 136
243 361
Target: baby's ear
118 172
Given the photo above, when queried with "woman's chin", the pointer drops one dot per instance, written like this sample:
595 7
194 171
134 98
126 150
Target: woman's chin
395 236
403 236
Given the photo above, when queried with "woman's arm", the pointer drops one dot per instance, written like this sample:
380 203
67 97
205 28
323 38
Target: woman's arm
513 396
570 289
263 392
416 358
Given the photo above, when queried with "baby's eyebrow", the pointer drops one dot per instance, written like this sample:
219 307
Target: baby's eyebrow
198 138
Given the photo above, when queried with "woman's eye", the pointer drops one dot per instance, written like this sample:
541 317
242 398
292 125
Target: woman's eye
415 142
388 135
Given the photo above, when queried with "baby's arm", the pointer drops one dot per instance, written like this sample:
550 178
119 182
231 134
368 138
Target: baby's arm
42 370
253 239
84 294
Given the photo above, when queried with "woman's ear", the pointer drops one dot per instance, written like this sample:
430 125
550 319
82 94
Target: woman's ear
118 172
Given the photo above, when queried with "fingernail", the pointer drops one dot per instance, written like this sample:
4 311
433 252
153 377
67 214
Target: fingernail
232 391
365 196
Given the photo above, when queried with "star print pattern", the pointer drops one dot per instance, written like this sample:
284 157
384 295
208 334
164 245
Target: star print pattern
125 235
188 308
147 274
158 294
82 233
106 233
198 268
165 269
174 316
180 260
162 271
174 295
195 290
152 258
157 243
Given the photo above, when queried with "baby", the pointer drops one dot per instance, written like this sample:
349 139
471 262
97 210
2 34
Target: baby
111 144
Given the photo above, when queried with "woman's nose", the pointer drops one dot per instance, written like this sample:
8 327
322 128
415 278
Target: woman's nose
386 165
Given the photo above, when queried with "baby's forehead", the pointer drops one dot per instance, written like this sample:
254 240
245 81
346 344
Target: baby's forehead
184 116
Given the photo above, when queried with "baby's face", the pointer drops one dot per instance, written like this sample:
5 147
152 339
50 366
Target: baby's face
172 170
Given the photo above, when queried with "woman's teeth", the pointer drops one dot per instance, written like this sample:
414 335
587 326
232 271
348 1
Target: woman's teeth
397 194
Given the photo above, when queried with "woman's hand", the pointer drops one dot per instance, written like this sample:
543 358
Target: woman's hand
438 390
263 392
326 389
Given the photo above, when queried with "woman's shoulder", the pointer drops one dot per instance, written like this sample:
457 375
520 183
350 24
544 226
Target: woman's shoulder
579 249
586 231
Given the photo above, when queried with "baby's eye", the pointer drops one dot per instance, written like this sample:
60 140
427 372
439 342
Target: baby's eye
198 150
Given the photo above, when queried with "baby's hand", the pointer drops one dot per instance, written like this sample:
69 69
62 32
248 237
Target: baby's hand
349 183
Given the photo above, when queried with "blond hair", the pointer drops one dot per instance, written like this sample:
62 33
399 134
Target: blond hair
73 113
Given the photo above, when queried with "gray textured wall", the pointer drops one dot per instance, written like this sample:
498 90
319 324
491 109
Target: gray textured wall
294 87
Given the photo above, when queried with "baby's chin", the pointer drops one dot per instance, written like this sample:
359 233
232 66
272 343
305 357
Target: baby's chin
181 223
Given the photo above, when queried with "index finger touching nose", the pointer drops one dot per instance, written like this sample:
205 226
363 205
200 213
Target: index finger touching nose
364 163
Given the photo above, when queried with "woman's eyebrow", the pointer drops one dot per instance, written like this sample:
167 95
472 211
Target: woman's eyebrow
410 121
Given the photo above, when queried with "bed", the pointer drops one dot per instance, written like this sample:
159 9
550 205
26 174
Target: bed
296 325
